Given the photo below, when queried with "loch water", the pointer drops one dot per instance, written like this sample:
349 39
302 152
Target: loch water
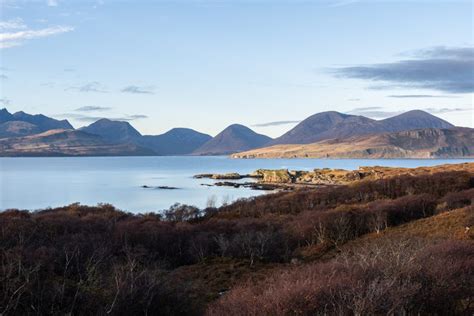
38 183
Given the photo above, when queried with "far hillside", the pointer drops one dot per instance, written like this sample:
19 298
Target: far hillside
421 143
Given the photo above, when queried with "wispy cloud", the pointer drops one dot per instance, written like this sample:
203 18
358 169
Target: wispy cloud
439 68
12 37
276 123
92 109
93 86
414 96
378 112
138 89
136 117
12 24
52 3
446 110
93 118
3 77
341 3
5 102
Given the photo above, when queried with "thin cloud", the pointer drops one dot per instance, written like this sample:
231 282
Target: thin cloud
17 38
446 110
92 109
136 117
378 112
341 3
52 3
439 68
93 86
12 24
276 123
93 118
138 90
5 102
353 99
413 96
373 112
3 77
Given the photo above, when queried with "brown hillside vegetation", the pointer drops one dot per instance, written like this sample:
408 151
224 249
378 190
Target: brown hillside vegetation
396 245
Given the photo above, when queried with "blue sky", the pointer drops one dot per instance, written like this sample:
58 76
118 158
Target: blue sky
207 64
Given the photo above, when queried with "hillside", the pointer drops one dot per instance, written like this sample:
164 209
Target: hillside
330 125
66 143
423 143
177 141
113 131
23 124
43 122
233 139
17 128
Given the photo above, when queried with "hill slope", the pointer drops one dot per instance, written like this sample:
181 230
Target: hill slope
177 141
17 128
113 131
66 143
329 125
424 143
22 124
233 139
43 122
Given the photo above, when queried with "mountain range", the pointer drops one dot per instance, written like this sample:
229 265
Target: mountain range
330 125
59 142
327 134
419 143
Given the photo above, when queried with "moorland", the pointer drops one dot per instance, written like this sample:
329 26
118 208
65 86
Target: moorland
398 244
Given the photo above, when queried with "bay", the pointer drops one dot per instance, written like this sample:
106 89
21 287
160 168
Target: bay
38 183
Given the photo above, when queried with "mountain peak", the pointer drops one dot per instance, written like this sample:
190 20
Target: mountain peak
176 141
332 124
113 131
233 138
320 126
414 119
43 123
5 116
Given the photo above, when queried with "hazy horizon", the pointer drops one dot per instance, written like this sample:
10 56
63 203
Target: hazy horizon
208 64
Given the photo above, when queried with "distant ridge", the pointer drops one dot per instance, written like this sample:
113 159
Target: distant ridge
67 143
336 135
177 141
421 143
330 125
22 124
113 131
43 122
233 139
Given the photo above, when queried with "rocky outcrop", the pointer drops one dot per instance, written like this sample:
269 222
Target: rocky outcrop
284 179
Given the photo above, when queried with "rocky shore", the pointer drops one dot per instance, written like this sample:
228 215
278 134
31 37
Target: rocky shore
284 179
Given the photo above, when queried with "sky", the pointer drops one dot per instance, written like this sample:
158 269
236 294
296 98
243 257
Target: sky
206 64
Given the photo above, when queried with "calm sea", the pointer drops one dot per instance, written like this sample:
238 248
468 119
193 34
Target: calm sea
37 183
